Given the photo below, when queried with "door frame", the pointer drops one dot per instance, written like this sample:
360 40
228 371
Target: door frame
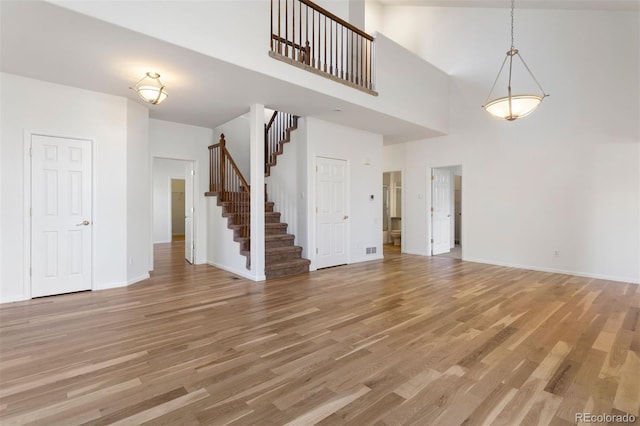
195 212
313 202
403 202
28 194
429 250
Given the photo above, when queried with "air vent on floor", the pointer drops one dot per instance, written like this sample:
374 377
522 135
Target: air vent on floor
371 250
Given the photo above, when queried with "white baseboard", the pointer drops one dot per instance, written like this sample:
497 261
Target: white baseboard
106 286
418 253
13 298
138 279
245 274
366 259
556 271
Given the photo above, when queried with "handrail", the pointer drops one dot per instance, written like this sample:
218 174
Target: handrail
308 36
273 117
276 133
227 182
237 170
217 172
337 19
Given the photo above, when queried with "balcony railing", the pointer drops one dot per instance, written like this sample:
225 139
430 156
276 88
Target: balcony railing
305 34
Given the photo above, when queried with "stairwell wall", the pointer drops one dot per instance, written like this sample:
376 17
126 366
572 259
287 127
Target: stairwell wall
282 184
223 252
236 133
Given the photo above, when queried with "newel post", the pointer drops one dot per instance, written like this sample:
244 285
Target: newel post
223 154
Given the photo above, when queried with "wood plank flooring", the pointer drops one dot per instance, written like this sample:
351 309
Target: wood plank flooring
407 340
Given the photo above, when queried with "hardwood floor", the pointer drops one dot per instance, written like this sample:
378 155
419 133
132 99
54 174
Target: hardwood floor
407 340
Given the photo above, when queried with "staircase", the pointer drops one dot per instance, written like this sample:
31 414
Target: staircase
226 182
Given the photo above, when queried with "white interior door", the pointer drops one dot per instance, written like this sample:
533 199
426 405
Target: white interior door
441 211
60 215
331 205
189 245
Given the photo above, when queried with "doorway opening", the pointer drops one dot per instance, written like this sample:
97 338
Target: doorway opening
173 198
446 211
178 208
392 212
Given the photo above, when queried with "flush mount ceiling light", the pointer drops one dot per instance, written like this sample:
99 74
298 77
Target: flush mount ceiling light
150 89
512 106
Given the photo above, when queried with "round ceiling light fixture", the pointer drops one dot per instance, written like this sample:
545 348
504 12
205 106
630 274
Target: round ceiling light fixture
150 89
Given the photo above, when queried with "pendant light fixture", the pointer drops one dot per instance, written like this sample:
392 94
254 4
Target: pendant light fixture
150 89
512 107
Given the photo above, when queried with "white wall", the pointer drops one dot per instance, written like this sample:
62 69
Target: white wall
363 153
183 142
138 189
223 252
565 178
33 105
163 171
236 133
373 16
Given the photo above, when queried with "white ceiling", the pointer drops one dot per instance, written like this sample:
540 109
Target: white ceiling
524 4
50 43
46 42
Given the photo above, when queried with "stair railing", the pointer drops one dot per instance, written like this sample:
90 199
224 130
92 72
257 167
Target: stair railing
228 183
305 33
275 133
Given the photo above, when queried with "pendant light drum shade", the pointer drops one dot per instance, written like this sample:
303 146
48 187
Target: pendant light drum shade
150 89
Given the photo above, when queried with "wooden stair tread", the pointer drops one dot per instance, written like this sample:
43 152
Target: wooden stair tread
279 237
283 249
288 264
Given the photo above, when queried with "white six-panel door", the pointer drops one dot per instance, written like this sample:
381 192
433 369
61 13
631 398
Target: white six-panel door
441 210
60 215
331 204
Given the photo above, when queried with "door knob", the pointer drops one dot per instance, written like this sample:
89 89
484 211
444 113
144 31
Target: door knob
84 223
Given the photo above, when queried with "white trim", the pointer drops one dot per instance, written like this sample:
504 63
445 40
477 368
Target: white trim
628 280
243 274
138 278
366 259
27 137
107 286
417 253
13 299
26 283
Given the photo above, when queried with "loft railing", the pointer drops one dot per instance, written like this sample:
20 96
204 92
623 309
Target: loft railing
276 133
303 32
226 181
